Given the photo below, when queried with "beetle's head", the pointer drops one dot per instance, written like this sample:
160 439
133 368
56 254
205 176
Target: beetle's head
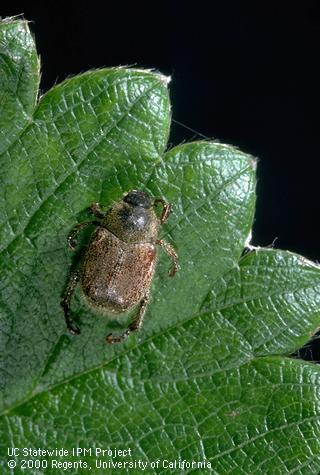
138 198
133 218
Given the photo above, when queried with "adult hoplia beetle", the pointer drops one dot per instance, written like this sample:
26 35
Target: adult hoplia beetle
118 264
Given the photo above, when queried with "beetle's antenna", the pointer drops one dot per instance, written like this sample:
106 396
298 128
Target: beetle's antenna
191 130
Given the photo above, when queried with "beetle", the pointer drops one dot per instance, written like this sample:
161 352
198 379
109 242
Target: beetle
118 265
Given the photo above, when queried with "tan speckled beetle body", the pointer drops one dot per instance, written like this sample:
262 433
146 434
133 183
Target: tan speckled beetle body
117 268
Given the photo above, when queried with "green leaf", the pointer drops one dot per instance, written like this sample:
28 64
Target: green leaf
204 379
19 80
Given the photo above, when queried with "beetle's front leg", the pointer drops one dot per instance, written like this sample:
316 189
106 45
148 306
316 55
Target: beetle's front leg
134 326
96 210
166 209
172 254
72 236
65 302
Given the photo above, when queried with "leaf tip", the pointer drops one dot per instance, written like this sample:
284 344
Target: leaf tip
254 162
165 79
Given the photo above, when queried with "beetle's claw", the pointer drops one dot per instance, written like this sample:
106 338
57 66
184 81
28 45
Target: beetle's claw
111 339
114 339
72 244
172 272
74 330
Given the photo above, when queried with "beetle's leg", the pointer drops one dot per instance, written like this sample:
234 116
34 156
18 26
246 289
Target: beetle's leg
65 302
72 236
96 210
166 209
134 326
172 254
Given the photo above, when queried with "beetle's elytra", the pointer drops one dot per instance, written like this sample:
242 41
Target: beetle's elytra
117 267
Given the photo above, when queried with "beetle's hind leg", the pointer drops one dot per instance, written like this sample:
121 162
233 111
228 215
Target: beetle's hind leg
135 325
65 302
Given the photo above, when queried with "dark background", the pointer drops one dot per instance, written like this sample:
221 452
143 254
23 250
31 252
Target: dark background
245 73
